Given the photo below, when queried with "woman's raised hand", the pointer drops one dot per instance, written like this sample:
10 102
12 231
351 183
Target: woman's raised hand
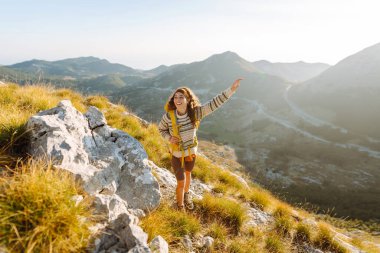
173 140
236 84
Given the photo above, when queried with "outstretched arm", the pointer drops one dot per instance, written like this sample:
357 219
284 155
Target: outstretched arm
218 100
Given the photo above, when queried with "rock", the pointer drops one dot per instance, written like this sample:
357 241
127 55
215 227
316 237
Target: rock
139 249
310 249
125 233
159 245
257 217
137 212
77 199
110 206
186 242
95 118
207 242
106 160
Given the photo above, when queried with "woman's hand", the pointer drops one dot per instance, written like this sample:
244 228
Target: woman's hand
173 140
236 84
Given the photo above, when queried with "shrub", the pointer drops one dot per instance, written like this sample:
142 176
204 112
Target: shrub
38 213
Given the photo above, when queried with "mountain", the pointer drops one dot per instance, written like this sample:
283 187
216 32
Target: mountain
74 67
158 70
346 94
294 72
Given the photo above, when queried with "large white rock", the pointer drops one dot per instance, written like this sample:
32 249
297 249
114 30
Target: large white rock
107 160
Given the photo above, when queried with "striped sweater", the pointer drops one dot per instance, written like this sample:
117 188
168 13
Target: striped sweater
186 130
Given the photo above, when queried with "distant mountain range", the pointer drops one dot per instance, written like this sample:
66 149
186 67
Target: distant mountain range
91 74
74 67
293 72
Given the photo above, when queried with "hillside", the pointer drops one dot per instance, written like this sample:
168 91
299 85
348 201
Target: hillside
346 94
237 214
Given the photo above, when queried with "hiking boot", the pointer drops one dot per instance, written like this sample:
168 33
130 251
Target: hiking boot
179 208
188 201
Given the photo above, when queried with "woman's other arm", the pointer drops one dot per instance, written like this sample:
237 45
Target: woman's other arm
163 127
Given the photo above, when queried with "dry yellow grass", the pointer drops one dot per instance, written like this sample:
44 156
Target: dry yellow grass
38 213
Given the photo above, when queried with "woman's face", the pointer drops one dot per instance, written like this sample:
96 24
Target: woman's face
180 101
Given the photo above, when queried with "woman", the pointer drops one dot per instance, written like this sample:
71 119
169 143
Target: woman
179 126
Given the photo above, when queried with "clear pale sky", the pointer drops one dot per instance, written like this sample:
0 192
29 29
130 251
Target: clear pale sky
145 34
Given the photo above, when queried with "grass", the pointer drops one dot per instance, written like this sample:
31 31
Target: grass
324 240
282 210
37 213
302 233
171 224
218 231
226 211
284 225
260 197
273 244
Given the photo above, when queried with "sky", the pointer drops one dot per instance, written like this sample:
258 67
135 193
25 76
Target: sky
145 34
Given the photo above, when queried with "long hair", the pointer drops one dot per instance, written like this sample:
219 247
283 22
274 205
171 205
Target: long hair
192 102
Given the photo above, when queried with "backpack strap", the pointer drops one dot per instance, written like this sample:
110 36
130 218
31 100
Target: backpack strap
176 147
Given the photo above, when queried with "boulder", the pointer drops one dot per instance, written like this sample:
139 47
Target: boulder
159 245
107 161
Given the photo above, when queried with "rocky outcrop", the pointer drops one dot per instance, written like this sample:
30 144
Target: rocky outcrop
108 161
111 165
